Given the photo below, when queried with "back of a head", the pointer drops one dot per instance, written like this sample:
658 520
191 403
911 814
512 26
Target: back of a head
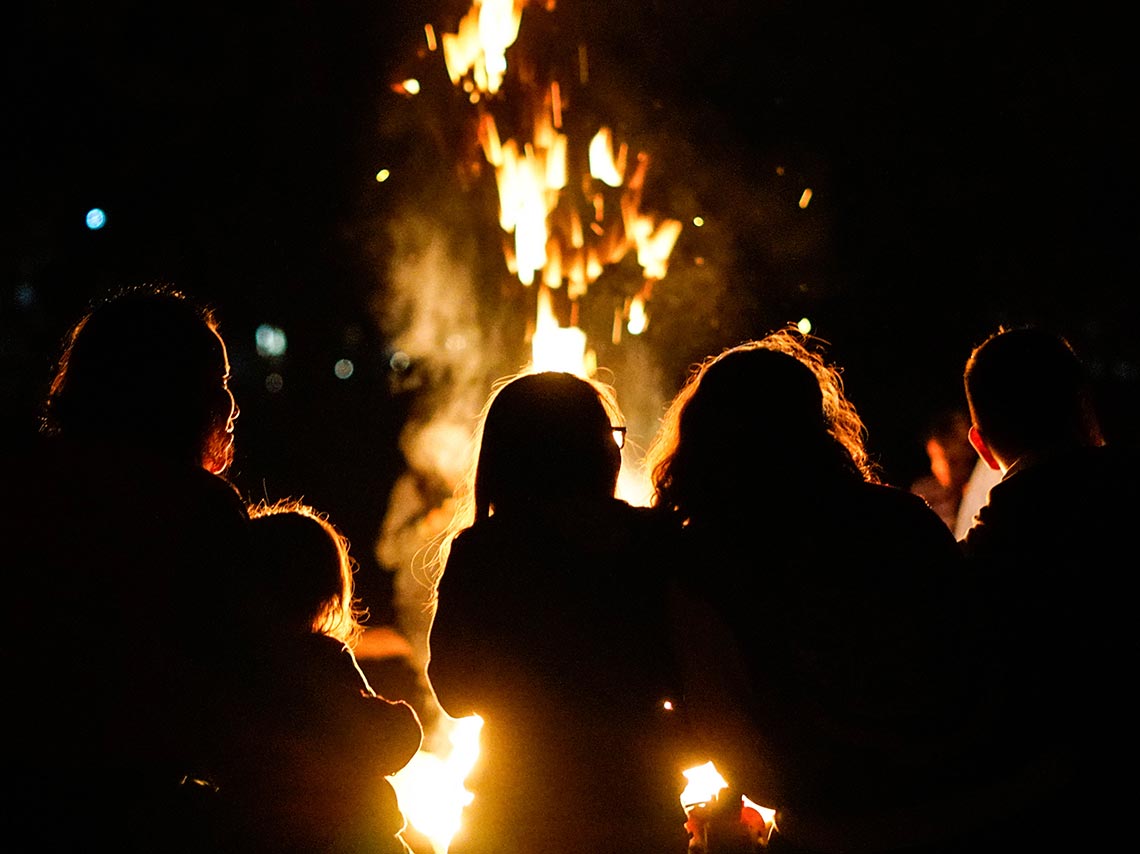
143 369
754 402
546 436
306 569
1028 392
764 415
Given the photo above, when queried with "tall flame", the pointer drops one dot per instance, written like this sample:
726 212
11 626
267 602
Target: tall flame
539 208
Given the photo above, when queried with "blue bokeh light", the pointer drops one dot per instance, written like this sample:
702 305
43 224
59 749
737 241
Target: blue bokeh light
96 219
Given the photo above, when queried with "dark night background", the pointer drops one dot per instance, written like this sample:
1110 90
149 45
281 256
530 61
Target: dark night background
972 164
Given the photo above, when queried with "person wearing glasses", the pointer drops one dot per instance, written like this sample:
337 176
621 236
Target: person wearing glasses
549 625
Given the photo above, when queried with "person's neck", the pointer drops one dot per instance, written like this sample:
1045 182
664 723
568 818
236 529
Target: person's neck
1031 458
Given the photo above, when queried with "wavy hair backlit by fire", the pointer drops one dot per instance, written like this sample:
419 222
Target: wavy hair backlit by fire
672 460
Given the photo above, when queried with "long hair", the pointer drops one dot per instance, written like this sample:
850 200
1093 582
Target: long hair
540 435
309 571
753 418
145 368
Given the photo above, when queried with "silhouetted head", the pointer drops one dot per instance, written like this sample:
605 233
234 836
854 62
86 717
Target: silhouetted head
307 570
1028 392
546 436
147 369
759 416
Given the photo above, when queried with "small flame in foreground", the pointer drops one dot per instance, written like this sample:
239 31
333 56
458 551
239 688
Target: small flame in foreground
722 822
704 784
431 789
768 814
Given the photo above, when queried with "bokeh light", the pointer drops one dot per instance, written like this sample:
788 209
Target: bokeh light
96 219
271 341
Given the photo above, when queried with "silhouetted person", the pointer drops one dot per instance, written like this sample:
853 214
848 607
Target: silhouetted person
1050 555
946 441
123 556
816 608
308 774
549 626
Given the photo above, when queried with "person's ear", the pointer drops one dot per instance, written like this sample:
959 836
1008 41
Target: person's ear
983 449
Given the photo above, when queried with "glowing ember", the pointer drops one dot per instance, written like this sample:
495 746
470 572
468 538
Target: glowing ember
637 317
603 164
431 788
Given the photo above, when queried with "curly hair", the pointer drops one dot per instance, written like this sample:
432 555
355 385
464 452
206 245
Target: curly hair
771 408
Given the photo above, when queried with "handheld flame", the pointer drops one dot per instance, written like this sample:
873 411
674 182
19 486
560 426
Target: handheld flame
431 788
738 824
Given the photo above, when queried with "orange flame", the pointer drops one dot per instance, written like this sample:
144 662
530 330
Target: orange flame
548 242
480 46
430 788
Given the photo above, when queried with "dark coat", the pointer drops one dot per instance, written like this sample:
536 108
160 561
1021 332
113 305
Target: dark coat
550 626
306 770
821 623
123 577
1051 559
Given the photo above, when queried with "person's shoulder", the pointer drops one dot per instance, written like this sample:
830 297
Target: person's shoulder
469 550
886 506
1088 471
888 495
474 536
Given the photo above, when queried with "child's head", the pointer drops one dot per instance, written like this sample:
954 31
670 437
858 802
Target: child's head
308 569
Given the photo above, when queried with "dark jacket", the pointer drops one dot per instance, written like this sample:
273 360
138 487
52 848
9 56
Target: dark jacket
1051 559
549 626
821 623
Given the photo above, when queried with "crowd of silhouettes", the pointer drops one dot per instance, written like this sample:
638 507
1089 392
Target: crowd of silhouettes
181 664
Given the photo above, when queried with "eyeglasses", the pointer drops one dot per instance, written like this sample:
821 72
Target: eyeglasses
619 436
